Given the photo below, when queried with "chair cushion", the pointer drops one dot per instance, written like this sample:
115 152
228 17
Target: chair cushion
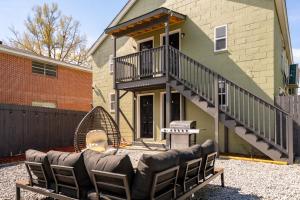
91 158
147 167
71 160
40 157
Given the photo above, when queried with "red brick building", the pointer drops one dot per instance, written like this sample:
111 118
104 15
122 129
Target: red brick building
29 79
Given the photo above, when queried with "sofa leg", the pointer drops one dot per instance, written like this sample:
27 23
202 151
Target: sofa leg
222 180
18 193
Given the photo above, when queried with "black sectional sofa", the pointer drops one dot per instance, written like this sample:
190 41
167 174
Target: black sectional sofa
174 174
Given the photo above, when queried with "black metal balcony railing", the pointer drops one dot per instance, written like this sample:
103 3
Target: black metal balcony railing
265 120
140 65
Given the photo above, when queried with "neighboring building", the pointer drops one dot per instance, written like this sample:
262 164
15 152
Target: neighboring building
30 79
247 43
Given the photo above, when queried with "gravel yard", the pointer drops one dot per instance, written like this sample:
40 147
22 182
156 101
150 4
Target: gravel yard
243 180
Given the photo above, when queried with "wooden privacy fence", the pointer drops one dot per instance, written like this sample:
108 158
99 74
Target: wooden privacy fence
25 127
291 104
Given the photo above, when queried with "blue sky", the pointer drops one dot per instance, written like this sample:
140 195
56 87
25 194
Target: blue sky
95 15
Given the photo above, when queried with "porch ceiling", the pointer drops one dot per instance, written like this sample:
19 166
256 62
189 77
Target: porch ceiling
148 22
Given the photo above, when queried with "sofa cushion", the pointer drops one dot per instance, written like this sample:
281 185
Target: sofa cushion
91 158
120 164
149 165
208 147
184 155
40 157
71 160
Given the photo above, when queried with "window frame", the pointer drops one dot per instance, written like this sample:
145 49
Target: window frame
112 102
221 38
46 68
225 93
111 63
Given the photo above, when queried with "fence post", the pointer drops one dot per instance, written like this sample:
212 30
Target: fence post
290 139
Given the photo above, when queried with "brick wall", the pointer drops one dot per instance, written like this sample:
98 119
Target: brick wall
71 89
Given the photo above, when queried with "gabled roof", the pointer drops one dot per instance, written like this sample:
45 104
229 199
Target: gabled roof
39 58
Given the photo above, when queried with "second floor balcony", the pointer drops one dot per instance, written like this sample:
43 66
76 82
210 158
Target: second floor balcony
142 69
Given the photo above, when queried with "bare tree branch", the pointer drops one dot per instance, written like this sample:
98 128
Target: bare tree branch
51 34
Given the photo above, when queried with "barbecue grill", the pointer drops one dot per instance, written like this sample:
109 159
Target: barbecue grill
181 134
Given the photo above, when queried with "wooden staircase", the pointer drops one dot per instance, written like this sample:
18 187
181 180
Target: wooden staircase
263 125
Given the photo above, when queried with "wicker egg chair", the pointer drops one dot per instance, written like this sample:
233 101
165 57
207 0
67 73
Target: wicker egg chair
97 119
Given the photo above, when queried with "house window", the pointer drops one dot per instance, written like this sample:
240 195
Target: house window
112 101
44 69
111 64
222 93
220 38
43 104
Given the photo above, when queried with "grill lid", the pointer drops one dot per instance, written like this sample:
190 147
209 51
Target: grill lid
183 124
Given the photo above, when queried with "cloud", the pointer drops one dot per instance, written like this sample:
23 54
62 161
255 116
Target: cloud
296 55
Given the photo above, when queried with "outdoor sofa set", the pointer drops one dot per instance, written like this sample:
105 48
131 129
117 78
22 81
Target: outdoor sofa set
173 174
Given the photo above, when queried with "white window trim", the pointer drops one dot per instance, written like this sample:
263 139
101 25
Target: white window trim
138 42
138 121
111 64
226 38
170 33
44 104
110 102
226 94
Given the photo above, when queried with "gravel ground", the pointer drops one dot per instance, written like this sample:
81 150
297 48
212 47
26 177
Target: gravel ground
243 180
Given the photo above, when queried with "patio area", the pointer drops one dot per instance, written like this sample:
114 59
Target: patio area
243 180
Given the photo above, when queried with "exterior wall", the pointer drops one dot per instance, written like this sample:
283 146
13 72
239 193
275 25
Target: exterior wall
71 89
249 61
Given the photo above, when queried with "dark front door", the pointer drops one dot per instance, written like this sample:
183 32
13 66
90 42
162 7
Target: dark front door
175 107
146 62
146 116
174 40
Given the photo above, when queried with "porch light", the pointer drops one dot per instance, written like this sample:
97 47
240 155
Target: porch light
182 35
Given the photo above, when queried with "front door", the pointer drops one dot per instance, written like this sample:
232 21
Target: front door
174 41
146 116
175 108
146 62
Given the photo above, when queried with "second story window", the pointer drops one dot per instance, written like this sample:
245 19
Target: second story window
112 101
44 69
220 38
111 64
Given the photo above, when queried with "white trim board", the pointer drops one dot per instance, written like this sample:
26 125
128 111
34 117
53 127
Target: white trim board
138 119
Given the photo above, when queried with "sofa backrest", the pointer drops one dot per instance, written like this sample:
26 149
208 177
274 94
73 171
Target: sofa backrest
35 156
148 166
74 160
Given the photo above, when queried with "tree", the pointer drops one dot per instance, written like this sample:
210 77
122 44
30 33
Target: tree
51 34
